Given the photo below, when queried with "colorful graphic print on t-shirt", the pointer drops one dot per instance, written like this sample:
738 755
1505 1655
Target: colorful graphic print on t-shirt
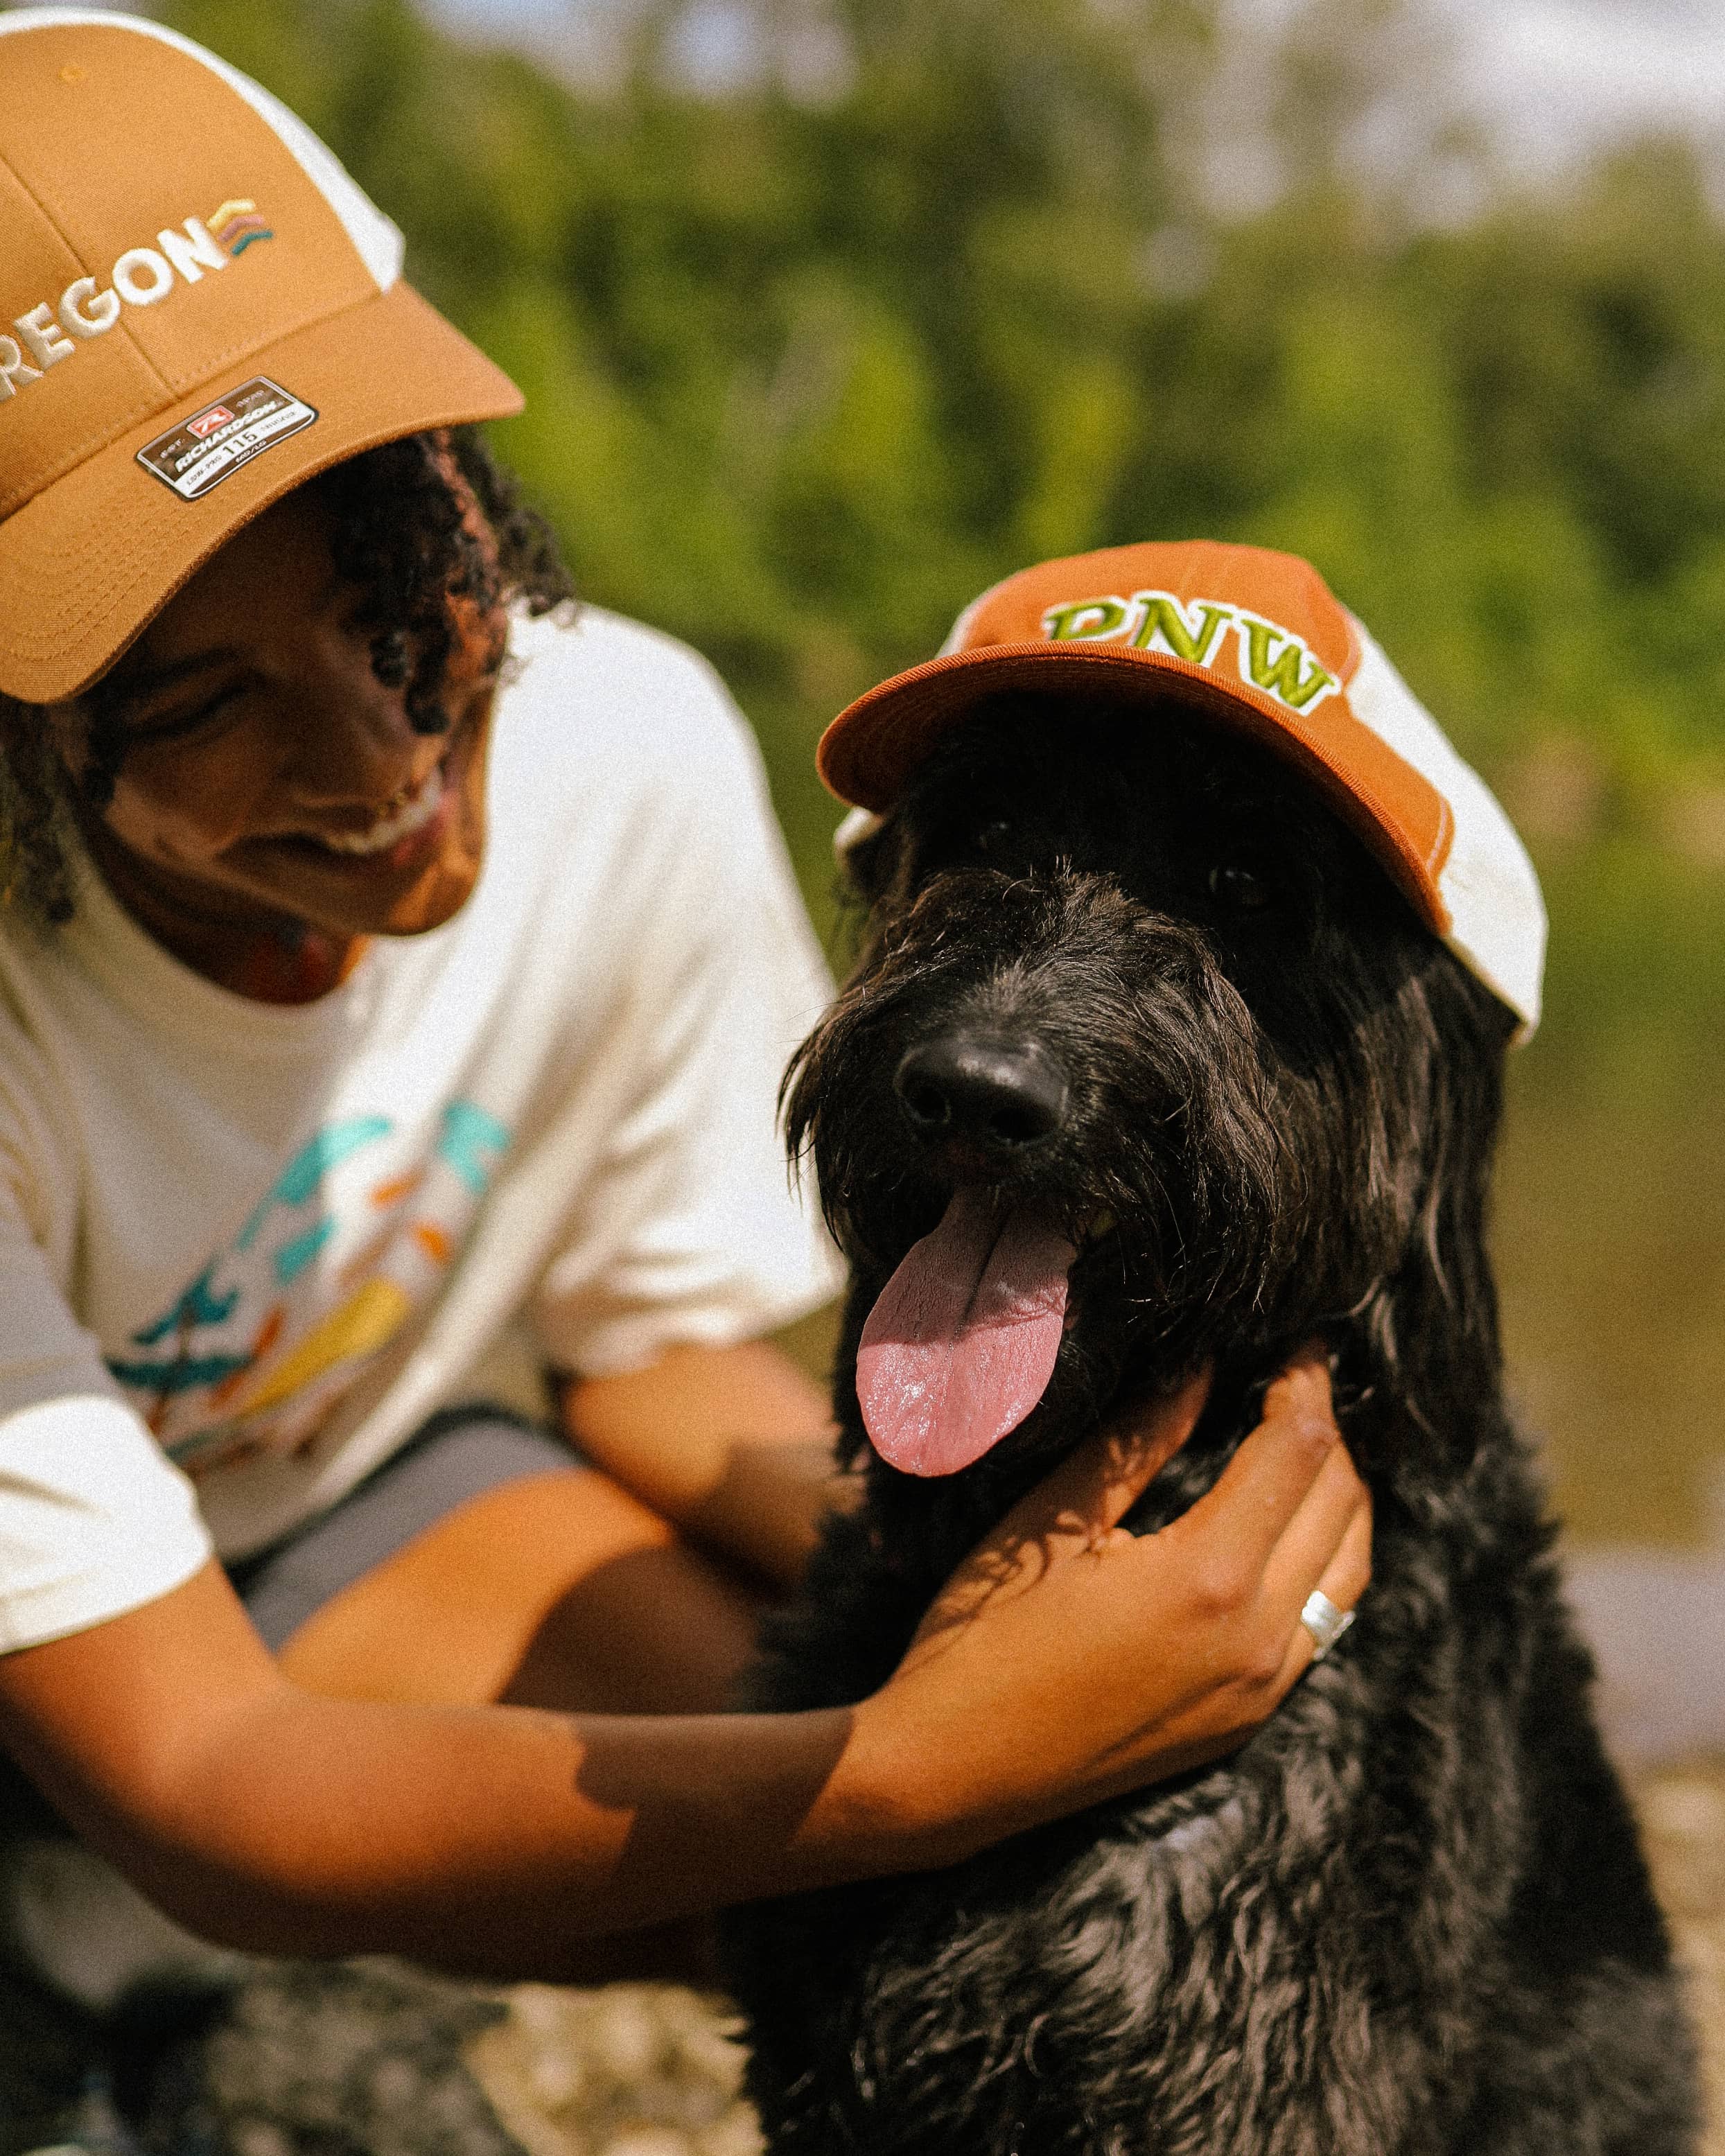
354 1235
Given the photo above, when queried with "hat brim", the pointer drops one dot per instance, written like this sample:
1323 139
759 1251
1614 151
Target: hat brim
870 752
88 562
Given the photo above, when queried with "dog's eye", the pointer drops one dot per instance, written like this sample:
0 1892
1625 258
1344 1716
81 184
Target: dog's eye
993 838
1240 889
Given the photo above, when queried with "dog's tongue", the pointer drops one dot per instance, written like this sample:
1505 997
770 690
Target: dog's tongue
963 1339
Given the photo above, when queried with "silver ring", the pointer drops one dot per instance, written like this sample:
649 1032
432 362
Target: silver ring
1324 1621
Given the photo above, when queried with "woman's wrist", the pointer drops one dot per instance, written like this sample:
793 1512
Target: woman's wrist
900 1797
739 1807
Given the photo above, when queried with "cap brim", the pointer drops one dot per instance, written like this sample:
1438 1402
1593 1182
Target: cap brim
871 751
86 563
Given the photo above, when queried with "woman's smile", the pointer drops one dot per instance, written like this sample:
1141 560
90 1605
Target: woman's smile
399 832
407 815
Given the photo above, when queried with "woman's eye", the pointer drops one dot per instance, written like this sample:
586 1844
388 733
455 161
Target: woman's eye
1239 889
176 725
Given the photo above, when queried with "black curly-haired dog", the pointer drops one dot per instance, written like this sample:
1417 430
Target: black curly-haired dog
1128 988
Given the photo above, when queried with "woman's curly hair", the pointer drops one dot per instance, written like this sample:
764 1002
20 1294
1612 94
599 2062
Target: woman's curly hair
402 536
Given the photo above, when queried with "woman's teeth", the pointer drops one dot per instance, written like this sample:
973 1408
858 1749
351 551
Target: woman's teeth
413 814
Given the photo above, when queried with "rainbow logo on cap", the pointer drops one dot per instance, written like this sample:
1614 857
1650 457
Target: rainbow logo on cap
236 224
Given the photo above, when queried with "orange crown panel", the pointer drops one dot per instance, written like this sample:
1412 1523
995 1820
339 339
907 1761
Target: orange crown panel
53 109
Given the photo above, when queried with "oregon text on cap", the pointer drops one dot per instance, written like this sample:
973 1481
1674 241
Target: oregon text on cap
51 331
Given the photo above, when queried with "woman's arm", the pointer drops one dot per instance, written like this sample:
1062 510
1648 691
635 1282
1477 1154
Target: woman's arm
1066 1660
733 1445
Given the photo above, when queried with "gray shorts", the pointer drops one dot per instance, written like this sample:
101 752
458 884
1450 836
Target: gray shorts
457 1455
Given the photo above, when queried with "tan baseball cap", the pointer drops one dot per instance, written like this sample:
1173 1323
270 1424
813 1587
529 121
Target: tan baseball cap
198 309
1256 639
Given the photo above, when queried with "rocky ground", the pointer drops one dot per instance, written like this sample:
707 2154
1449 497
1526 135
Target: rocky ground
634 2070
641 2070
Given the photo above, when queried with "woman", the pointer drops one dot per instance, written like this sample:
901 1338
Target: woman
390 958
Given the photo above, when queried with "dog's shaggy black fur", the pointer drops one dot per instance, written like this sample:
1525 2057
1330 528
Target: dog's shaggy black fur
1411 1914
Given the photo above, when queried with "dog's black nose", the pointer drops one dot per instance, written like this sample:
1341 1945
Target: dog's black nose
1004 1096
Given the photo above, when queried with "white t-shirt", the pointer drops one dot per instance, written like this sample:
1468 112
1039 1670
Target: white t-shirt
259 1243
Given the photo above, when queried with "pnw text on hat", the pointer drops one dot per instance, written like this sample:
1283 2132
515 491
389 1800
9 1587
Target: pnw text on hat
52 330
1274 658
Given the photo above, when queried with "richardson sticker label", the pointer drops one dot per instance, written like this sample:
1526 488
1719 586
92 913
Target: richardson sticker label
202 451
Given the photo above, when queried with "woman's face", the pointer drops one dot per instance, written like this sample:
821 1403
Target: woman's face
271 785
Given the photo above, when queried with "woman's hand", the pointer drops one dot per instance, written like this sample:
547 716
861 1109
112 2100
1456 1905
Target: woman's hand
1069 1659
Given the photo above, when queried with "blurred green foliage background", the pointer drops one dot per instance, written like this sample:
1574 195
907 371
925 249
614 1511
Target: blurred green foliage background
810 362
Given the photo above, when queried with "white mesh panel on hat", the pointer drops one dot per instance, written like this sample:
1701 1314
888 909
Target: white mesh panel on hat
1496 915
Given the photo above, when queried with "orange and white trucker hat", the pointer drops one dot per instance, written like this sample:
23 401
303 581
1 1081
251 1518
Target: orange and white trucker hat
198 309
1255 639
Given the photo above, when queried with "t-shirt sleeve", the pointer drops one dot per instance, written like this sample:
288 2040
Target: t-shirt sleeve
692 1228
94 1519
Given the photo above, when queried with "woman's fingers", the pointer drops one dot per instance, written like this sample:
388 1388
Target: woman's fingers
1093 1490
1288 1515
1266 1484
1345 1579
1335 1509
1073 1510
1349 1573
